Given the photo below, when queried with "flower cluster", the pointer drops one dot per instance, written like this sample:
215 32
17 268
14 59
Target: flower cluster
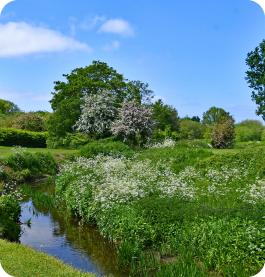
98 113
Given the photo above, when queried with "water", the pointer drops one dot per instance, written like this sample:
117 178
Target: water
62 235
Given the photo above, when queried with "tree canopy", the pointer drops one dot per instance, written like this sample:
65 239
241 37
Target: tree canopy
165 115
214 115
256 76
8 108
68 97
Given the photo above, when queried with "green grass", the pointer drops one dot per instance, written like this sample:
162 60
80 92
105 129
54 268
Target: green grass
179 201
5 151
22 261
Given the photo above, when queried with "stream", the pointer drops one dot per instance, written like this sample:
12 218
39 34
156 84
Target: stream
59 234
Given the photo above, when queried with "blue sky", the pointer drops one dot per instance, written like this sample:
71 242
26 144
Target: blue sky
191 53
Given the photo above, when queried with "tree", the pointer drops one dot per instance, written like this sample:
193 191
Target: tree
256 77
69 96
165 115
214 115
8 108
135 122
223 132
98 113
196 118
30 122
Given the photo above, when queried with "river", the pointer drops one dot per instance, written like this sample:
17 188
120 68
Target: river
62 235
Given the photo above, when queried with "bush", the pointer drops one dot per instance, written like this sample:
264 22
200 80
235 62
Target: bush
223 133
10 211
11 137
70 141
160 135
244 133
190 129
23 165
106 147
29 122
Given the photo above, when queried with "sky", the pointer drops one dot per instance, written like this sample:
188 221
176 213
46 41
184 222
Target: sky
191 53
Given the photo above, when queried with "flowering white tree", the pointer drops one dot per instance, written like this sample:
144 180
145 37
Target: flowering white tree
98 113
134 120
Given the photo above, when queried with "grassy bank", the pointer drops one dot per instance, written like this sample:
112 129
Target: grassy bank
22 261
178 202
5 151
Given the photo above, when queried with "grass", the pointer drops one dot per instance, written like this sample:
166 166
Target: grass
180 201
22 261
5 151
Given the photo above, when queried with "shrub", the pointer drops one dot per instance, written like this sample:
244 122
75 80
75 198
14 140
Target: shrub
190 129
106 147
11 137
70 141
160 135
244 133
223 133
29 122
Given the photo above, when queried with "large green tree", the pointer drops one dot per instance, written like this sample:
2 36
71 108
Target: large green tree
8 108
214 115
165 115
256 76
68 97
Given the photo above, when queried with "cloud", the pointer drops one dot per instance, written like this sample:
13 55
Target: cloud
111 46
18 39
90 23
117 26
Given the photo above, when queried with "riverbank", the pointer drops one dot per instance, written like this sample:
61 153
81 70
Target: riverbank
20 261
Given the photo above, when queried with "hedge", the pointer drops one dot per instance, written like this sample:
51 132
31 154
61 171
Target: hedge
11 137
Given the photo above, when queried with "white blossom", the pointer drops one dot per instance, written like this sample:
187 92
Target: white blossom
98 113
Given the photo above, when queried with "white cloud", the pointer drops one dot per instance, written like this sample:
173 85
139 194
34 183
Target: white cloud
111 46
89 23
117 26
22 39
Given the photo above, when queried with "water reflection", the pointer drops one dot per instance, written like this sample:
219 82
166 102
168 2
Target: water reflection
62 235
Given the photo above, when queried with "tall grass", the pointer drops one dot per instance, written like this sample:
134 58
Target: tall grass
204 211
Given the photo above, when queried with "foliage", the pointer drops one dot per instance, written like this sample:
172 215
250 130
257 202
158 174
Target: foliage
23 165
177 202
244 133
135 123
249 123
190 129
8 108
196 118
106 147
29 122
214 115
98 113
223 133
11 137
69 96
7 120
69 141
159 135
165 115
255 76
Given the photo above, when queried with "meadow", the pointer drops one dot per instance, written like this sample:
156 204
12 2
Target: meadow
174 208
